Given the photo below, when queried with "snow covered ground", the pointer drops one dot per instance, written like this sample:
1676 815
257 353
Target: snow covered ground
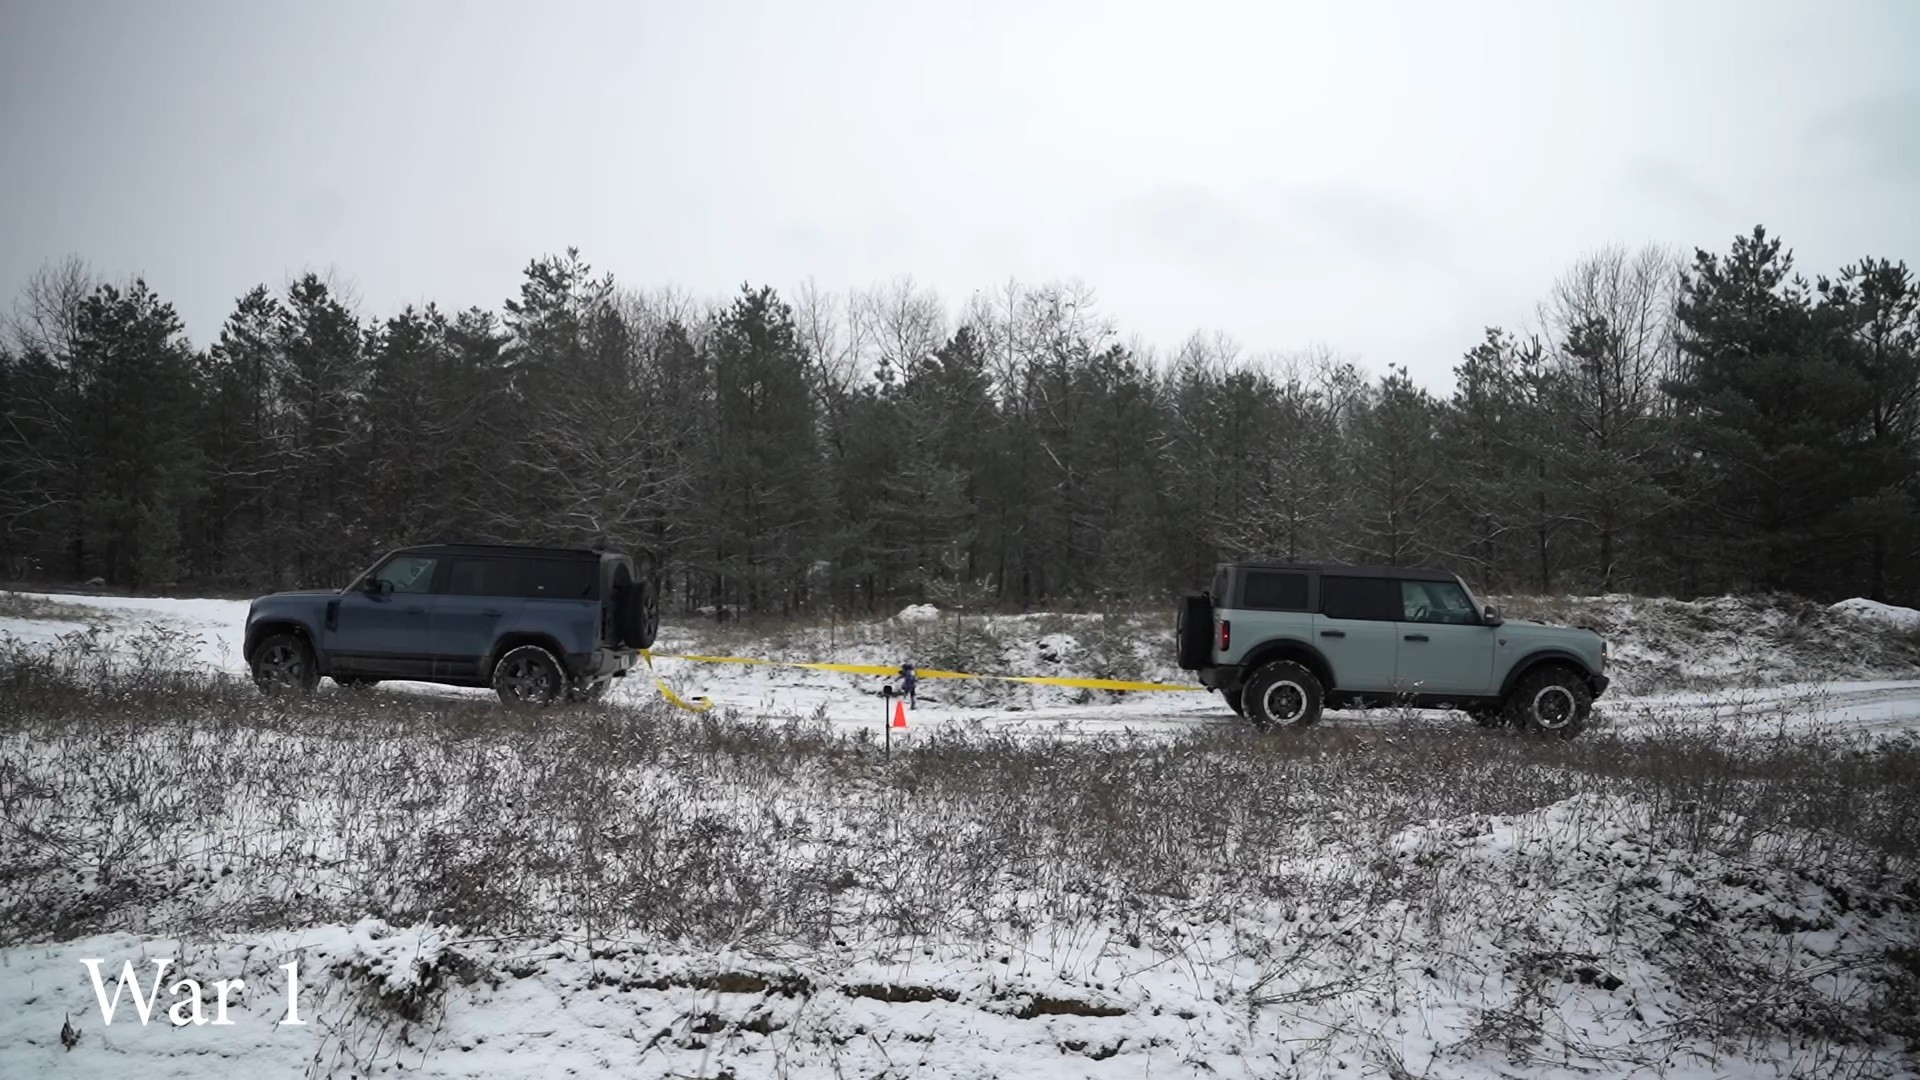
1714 662
1496 965
1398 896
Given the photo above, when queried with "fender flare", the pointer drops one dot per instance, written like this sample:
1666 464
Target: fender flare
1289 648
513 639
276 624
1539 658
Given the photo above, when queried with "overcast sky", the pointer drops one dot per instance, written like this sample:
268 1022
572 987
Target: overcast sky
1385 179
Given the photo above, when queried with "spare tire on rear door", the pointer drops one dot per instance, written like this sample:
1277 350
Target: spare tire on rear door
1195 632
636 617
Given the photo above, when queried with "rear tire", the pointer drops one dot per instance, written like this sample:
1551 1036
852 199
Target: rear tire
284 663
1283 694
529 676
1552 702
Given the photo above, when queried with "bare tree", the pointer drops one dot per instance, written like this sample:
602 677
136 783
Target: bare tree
46 317
1612 318
908 324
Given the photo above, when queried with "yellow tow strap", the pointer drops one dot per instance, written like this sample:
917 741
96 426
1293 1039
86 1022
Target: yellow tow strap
883 671
666 691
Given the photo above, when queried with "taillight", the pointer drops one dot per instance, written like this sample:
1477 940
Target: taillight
1226 635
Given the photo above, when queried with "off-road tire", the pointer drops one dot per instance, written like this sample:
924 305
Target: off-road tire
282 663
1193 632
1551 702
1282 694
529 676
636 613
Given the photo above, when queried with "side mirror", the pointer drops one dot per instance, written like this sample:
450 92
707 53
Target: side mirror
1493 616
377 587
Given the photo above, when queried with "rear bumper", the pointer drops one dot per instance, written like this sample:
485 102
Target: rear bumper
601 663
1220 676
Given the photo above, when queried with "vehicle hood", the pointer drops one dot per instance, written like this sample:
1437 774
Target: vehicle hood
1549 633
298 600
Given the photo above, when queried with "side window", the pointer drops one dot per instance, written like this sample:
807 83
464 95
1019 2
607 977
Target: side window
484 577
408 573
1272 590
560 579
1375 599
1436 602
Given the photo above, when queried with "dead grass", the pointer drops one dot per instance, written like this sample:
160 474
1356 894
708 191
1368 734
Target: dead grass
14 605
136 798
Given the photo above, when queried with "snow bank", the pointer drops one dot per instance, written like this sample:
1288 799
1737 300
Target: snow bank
1904 618
1661 645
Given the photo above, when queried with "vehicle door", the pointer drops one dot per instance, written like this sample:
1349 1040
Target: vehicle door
1445 647
1357 630
482 593
381 628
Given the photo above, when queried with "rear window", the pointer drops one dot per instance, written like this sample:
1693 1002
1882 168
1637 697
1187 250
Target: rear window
1272 590
561 579
1376 599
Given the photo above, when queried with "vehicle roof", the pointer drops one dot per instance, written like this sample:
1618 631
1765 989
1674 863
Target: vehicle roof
1408 573
509 550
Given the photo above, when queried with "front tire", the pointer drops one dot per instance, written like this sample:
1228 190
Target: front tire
1283 693
284 664
529 676
1552 702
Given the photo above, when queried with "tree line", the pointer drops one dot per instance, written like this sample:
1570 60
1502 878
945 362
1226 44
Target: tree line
1661 425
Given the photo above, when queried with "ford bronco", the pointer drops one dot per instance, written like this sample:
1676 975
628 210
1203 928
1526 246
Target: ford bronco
1281 642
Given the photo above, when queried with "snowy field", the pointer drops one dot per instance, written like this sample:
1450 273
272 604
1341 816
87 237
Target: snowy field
1720 879
1724 663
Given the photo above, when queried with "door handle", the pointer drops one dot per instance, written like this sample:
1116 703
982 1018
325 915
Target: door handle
1416 637
1333 633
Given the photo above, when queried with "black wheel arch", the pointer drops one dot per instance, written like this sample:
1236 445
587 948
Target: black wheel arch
510 642
1541 658
1289 649
266 628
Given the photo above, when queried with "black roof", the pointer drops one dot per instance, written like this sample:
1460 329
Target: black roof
525 550
1405 573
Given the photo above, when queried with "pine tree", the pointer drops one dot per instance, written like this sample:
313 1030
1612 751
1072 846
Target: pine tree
1770 401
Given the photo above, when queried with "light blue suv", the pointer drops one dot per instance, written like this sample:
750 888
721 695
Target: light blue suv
1283 641
536 624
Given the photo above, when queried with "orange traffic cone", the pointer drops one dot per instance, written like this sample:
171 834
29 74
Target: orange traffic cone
900 714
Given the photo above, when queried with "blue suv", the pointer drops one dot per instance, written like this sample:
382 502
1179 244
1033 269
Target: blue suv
539 625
